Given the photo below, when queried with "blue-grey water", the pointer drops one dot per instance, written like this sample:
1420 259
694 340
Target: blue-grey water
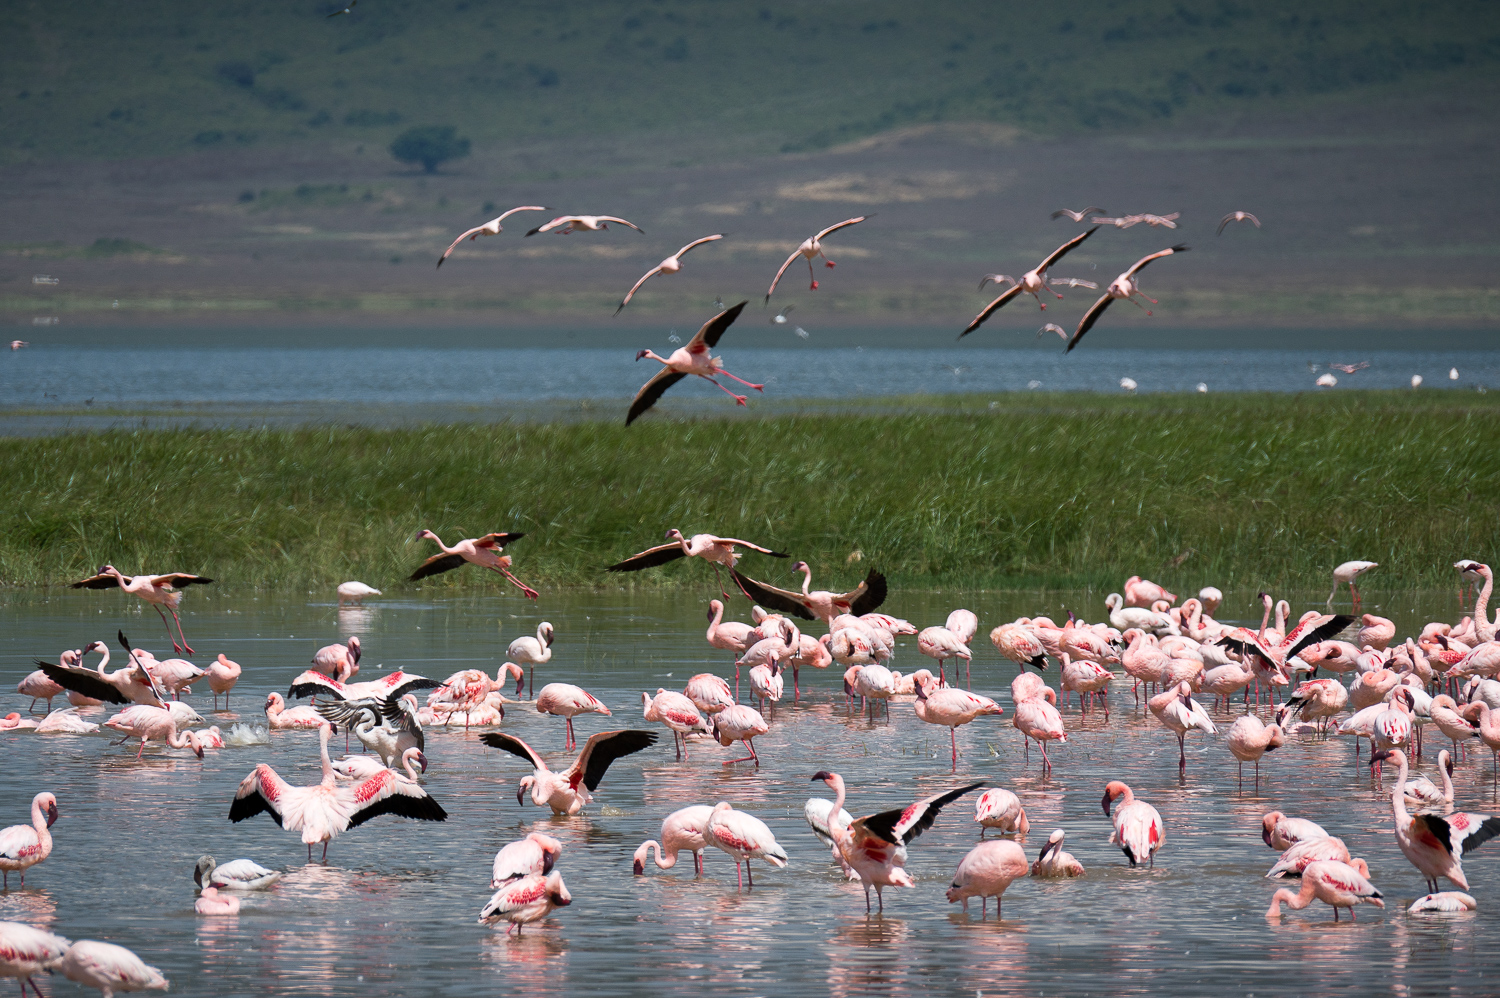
393 910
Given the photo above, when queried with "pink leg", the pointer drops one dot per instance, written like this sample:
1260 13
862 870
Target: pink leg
168 626
738 399
185 646
137 756
570 734
531 593
742 381
810 275
953 741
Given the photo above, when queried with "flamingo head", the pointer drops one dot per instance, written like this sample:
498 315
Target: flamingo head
527 782
1265 600
638 861
421 760
802 566
195 743
674 534
643 353
1381 755
1113 790
108 570
1446 761
49 807
714 608
203 869
425 534
557 891
544 631
1054 843
354 649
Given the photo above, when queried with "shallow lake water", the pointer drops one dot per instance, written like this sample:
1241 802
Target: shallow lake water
393 911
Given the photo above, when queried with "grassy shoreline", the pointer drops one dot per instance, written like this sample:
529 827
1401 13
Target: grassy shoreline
1021 492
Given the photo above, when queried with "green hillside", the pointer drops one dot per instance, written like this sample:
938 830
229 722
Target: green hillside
154 77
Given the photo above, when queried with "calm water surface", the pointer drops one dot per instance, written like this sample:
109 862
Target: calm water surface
393 911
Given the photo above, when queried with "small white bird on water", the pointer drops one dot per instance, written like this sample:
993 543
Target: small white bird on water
353 592
1416 381
1203 387
1126 383
1327 381
1452 374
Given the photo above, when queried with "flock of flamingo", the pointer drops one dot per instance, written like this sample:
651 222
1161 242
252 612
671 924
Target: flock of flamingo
696 357
1443 678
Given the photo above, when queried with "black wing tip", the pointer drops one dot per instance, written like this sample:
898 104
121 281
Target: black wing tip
778 554
1181 248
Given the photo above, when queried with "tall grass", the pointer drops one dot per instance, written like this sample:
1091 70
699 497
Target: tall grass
1028 491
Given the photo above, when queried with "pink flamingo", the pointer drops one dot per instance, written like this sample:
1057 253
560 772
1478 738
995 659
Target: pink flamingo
490 228
1339 885
532 651
1125 287
528 857
1033 282
681 831
738 723
109 968
693 358
567 701
715 550
565 224
280 717
1318 700
709 693
211 902
1142 592
158 590
728 635
670 265
37 686
942 644
1345 574
339 662
131 684
950 708
1282 832
222 674
744 837
1138 828
1249 739
676 712
25 951
1180 713
570 791
24 846
529 899
988 869
1295 859
1001 810
1037 718
1052 861
809 248
482 551
815 604
1435 844
964 624
150 723
1088 679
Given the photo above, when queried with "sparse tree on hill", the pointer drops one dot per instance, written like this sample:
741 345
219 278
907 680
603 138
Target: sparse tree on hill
429 145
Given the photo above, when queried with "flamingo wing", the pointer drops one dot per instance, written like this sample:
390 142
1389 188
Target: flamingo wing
602 749
1089 318
262 790
781 600
498 541
400 713
636 287
161 696
651 391
313 683
621 221
1143 261
752 547
549 226
467 235
388 793
841 225
525 207
1462 832
96 582
649 558
714 329
777 279
437 565
698 242
83 681
349 712
514 745
409 684
1316 629
179 579
990 309
904 824
868 596
1065 249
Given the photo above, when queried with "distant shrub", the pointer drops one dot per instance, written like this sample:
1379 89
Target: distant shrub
429 145
246 197
241 74
209 138
371 119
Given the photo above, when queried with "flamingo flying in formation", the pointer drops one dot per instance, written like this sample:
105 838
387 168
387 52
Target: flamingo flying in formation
809 248
482 551
1033 282
712 549
490 228
670 265
815 604
1125 287
694 358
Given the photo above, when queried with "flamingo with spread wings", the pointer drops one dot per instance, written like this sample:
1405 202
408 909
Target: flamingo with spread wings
694 358
711 548
570 791
811 247
482 551
815 604
1123 287
158 590
490 228
670 265
1033 282
564 224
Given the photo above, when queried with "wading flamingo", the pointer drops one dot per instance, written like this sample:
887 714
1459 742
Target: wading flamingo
988 869
1138 828
1052 861
744 837
1001 810
528 857
109 968
677 712
1435 844
681 831
1336 884
158 590
222 674
1345 574
355 592
25 951
1249 739
738 723
340 662
530 899
24 846
568 701
950 708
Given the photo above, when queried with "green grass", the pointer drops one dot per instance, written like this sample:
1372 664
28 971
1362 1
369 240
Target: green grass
151 77
1018 492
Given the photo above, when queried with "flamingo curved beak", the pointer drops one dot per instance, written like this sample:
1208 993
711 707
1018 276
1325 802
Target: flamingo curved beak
638 868
51 814
520 794
422 762
1108 800
641 354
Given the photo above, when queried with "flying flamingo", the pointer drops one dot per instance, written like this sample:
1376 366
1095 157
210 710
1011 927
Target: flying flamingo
1125 287
567 701
222 674
670 265
1345 574
682 830
738 723
676 712
1033 282
714 550
490 228
1001 810
815 604
744 837
158 590
325 810
1237 216
1339 885
25 951
132 684
694 358
569 791
24 846
1138 828
1052 861
529 899
482 551
1435 844
875 846
1077 216
109 968
951 707
565 224
528 857
988 869
811 247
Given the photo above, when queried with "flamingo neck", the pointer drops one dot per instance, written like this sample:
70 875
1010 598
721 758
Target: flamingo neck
838 800
1264 620
1481 608
806 579
662 862
406 758
323 734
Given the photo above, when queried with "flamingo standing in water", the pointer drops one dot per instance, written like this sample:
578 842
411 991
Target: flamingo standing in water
1282 832
1249 739
482 551
677 712
24 846
1138 828
681 831
1033 282
1335 883
1346 574
951 707
1180 713
158 590
1036 715
1001 810
568 701
340 662
728 635
535 854
1125 287
694 358
570 791
816 604
532 651
744 837
988 869
490 228
670 265
222 674
738 723
1435 844
529 899
942 644
109 968
37 686
809 248
25 951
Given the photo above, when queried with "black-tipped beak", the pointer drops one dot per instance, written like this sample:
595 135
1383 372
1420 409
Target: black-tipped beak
1047 849
820 775
51 815
641 354
520 794
198 875
1108 800
422 762
561 902
638 868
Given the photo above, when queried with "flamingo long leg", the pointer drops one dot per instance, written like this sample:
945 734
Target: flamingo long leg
742 381
185 646
739 399
168 626
530 592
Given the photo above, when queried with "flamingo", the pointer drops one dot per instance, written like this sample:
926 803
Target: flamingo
529 899
280 717
211 902
1017 643
1295 859
236 875
1138 828
565 224
355 592
694 358
1180 713
482 551
175 674
1237 216
391 686
37 686
1446 901
744 837
534 855
490 228
570 791
1376 632
24 846
567 701
1339 885
951 708
25 951
1036 717
1346 574
389 727
1249 739
715 550
65 722
875 846
222 674
1033 282
361 767
670 265
765 679
709 693
1141 592
1087 679
818 604
872 683
532 651
1125 287
325 810
682 830
131 684
149 723
1318 699
109 968
158 590
988 869
1001 810
1435 844
738 723
676 712
339 662
1052 861
809 248
728 635
1077 216
942 644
